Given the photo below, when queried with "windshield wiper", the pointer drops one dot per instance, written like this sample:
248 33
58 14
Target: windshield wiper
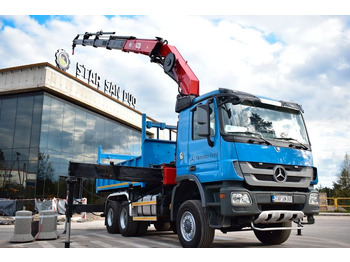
254 134
296 141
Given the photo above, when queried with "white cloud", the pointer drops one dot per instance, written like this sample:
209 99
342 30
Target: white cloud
300 58
330 142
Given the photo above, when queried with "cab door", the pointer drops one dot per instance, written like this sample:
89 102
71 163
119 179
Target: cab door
203 148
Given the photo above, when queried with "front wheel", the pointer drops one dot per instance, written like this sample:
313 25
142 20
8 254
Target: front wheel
192 225
274 237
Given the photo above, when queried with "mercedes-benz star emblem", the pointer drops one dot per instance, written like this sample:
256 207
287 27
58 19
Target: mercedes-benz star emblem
280 174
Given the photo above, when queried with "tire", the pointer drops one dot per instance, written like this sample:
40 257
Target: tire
112 217
274 237
192 225
127 226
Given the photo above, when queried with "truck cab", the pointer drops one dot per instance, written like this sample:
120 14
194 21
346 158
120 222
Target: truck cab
244 155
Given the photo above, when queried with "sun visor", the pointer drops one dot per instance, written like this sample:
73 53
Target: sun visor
292 105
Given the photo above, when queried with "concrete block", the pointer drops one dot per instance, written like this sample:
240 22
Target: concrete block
47 225
23 225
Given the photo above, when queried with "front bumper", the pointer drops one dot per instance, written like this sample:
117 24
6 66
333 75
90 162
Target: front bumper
263 200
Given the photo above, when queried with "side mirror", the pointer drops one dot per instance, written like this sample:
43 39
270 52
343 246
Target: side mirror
203 120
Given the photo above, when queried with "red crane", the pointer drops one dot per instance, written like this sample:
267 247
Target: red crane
157 49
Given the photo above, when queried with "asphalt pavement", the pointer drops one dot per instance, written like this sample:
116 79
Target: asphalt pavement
329 231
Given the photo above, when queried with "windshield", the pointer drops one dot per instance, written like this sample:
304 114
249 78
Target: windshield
264 121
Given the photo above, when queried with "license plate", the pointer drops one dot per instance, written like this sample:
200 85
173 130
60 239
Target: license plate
282 199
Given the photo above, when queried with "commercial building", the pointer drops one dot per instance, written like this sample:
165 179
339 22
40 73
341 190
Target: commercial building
48 118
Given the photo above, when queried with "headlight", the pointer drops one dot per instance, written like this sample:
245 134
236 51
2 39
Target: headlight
314 199
240 199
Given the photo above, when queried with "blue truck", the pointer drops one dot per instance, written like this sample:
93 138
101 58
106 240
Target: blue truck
235 161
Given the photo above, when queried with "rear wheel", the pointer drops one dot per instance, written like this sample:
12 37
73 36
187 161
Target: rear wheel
127 226
112 215
192 225
274 237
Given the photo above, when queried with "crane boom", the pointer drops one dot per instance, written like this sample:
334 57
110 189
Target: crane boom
157 49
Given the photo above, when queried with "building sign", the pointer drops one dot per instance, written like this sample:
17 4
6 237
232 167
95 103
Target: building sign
94 79
62 59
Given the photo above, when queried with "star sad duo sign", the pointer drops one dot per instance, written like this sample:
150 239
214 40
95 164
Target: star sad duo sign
94 79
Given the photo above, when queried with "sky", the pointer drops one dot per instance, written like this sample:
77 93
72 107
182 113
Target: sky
302 57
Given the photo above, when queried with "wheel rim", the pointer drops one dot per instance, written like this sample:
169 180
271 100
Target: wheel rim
110 217
123 218
188 226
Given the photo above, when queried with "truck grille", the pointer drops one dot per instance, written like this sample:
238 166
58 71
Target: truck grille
275 175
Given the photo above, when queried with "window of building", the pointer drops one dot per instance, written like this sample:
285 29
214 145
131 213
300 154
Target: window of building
40 134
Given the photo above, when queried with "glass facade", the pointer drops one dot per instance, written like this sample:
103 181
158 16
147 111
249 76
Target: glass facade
40 134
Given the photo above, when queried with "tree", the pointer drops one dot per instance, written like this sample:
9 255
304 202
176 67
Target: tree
46 173
329 191
261 125
342 186
2 168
